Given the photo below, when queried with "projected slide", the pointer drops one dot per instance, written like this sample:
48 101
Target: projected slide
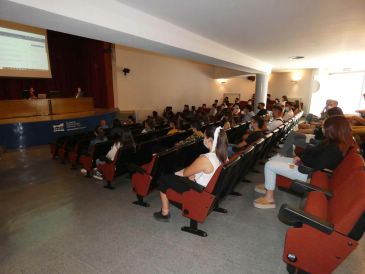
22 50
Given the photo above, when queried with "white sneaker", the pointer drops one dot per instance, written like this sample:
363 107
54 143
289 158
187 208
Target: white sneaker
83 171
97 175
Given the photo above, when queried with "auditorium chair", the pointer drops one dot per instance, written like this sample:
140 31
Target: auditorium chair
81 147
118 166
88 160
326 180
327 229
144 180
241 170
196 203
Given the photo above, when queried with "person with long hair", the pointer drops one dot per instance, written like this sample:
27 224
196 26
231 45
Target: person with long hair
199 172
327 154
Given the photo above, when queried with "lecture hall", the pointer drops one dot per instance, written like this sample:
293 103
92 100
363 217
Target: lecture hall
167 136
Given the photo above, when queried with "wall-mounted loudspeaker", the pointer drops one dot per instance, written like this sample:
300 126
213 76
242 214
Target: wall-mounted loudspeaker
126 71
251 78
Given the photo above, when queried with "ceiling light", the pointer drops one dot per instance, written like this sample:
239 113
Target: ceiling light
296 57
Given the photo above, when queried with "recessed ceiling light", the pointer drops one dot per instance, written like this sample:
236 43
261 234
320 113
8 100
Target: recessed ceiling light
297 57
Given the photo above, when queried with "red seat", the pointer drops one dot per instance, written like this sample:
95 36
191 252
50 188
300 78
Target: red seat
352 161
326 231
196 205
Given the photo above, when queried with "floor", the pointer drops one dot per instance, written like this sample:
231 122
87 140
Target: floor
53 220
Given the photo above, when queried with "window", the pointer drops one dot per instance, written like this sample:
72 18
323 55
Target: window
346 88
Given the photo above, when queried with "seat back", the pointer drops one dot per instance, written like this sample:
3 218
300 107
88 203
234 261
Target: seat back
352 161
101 149
213 181
228 178
347 206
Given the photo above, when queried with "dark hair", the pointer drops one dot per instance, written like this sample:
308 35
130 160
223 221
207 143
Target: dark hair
284 97
222 143
337 129
249 107
131 118
288 103
116 138
154 113
278 108
116 123
196 124
334 111
259 120
261 104
149 122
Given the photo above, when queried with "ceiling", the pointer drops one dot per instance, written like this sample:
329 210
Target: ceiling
329 33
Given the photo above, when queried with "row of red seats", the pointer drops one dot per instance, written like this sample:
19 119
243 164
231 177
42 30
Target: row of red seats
328 227
197 203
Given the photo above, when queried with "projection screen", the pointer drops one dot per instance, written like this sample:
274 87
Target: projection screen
23 51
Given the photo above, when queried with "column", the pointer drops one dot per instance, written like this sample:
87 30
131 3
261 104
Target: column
262 81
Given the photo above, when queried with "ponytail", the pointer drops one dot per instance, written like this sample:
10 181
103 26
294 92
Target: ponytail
220 143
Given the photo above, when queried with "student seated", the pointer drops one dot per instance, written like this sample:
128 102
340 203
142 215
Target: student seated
109 157
130 120
199 172
125 133
197 134
173 129
255 133
288 112
99 137
277 120
312 120
297 107
148 126
248 113
327 154
158 120
261 110
303 137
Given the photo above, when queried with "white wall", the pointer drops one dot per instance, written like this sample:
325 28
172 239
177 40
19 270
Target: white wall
156 81
281 83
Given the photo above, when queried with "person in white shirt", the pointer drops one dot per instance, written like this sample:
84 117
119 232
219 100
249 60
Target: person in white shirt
288 112
277 121
199 172
110 156
248 113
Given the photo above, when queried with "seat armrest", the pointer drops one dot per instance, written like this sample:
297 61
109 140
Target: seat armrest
193 185
296 217
133 168
300 186
328 171
305 169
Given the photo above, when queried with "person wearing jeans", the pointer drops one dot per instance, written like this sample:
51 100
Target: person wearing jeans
325 155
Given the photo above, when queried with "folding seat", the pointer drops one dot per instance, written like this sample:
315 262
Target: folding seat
241 170
259 146
327 229
99 150
80 147
69 144
321 179
55 146
118 166
144 181
197 202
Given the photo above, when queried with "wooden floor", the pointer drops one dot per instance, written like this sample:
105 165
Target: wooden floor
41 118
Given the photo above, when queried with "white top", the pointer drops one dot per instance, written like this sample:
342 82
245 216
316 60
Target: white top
203 178
113 151
274 124
288 115
248 116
